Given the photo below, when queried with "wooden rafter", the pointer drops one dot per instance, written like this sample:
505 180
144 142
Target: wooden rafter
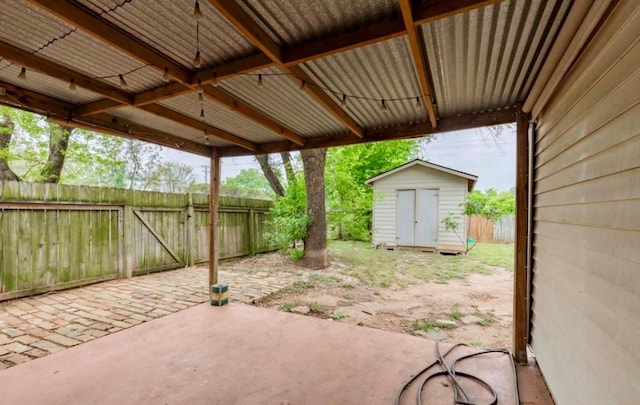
272 55
261 39
344 41
249 112
77 16
62 112
341 42
169 114
404 131
52 69
63 73
97 107
417 50
86 21
434 10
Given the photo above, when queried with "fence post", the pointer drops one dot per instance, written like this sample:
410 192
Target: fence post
190 225
129 245
252 230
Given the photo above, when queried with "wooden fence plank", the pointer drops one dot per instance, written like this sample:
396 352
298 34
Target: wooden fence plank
56 236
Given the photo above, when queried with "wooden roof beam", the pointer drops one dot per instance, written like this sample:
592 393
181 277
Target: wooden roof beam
420 61
261 39
62 112
175 116
89 22
434 10
404 131
249 112
377 32
52 69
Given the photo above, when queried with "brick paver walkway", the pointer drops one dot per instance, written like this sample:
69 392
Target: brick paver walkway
37 326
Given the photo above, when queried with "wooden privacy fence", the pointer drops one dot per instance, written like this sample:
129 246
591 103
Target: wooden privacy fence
484 230
58 236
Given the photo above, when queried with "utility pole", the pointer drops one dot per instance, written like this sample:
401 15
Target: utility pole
205 169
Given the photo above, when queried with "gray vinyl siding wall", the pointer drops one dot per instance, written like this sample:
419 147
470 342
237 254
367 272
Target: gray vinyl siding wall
586 268
452 192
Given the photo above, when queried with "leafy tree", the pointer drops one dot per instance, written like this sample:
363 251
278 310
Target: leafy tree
349 199
288 216
37 149
249 183
170 177
490 204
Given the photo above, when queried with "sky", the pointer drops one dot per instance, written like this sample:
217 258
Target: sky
474 151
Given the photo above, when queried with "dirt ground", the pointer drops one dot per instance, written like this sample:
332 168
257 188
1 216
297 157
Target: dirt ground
473 308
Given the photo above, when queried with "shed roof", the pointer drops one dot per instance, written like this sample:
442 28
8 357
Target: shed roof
332 72
472 179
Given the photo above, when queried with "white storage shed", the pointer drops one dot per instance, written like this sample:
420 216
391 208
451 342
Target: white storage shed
410 201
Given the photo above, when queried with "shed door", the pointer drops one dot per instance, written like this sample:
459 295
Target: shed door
405 212
426 230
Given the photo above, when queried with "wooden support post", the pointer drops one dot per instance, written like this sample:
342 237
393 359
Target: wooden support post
520 299
213 217
252 232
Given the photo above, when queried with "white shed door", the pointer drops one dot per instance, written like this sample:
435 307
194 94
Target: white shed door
426 218
405 212
417 218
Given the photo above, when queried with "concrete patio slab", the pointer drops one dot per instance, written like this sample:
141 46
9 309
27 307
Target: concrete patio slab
238 354
38 326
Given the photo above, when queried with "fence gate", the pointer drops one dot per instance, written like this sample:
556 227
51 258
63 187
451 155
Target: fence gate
159 236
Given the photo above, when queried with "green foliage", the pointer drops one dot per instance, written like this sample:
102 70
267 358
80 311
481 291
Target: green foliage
316 308
427 325
337 315
249 183
170 177
288 216
349 200
490 204
452 223
495 254
287 306
91 158
456 314
376 267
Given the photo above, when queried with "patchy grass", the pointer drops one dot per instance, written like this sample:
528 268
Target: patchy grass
477 343
386 268
316 308
455 314
427 325
337 315
287 306
297 288
494 254
324 279
488 317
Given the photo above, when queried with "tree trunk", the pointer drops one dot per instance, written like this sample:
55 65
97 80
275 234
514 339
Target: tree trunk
315 244
270 175
6 132
288 168
58 143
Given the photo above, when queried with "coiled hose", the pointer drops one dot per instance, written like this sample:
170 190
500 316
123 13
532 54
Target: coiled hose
459 395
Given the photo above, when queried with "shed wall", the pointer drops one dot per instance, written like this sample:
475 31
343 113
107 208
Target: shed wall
586 268
452 193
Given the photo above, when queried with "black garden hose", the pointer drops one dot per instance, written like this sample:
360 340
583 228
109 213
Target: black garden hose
450 371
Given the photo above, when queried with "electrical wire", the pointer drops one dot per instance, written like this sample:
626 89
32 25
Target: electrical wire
450 371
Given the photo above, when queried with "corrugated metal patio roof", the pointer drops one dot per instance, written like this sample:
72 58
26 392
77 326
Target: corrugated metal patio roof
481 57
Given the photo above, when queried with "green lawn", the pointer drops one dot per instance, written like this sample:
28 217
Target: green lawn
403 267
